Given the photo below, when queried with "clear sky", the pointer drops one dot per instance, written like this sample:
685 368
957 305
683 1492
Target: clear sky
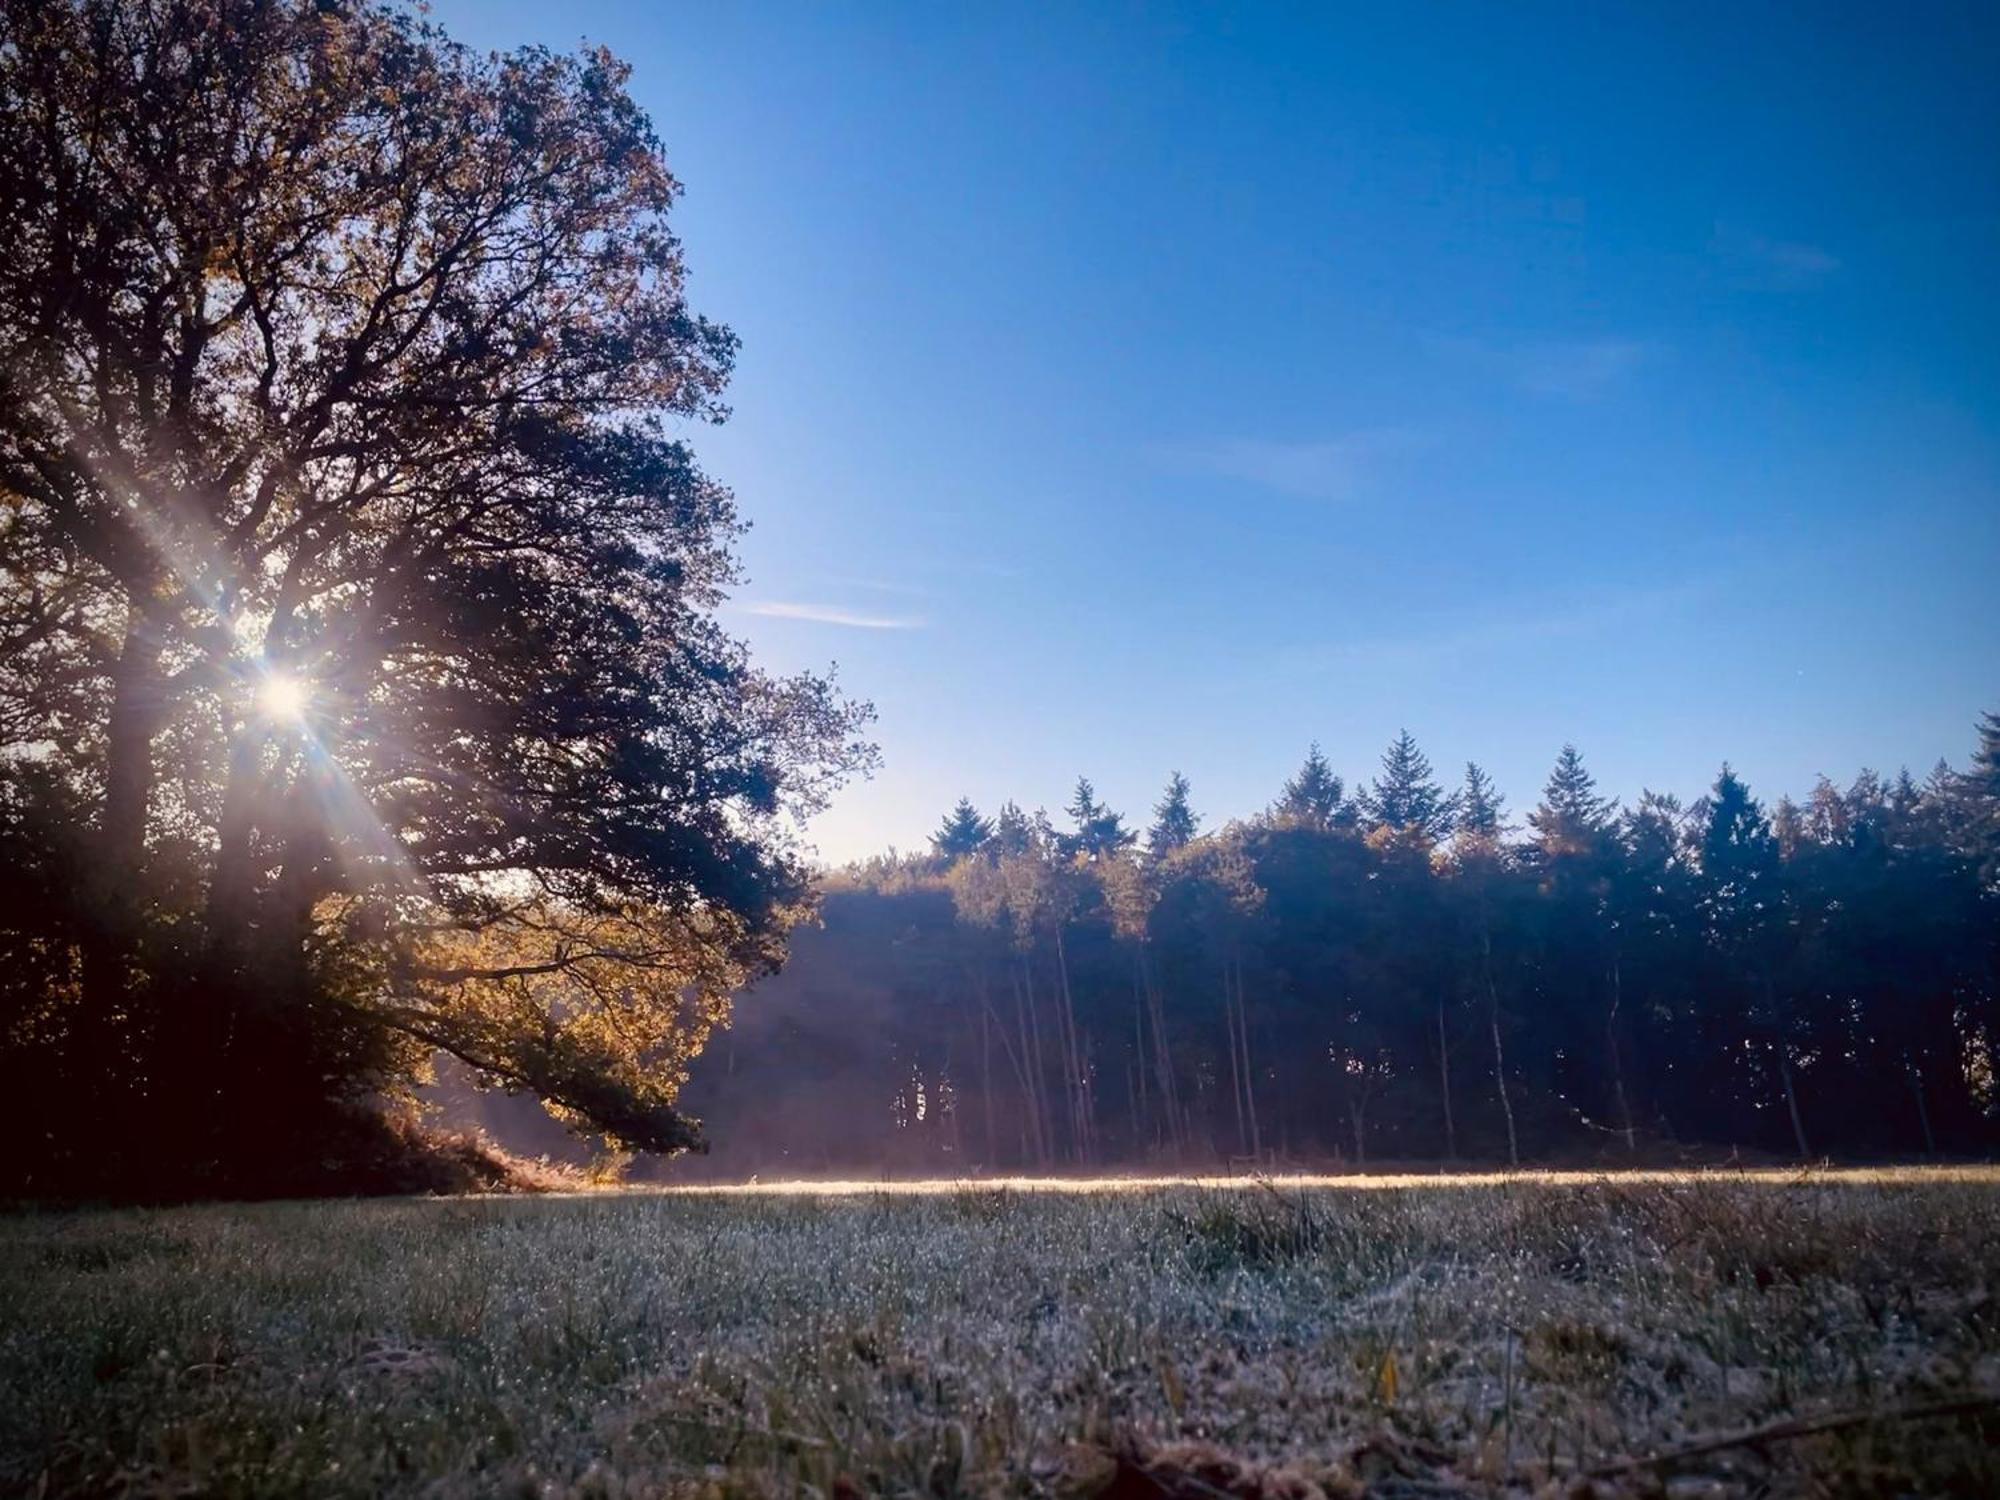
1135 388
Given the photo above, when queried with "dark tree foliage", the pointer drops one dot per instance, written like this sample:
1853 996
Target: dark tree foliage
361 693
1314 797
963 832
1482 811
1659 981
1405 802
1174 821
1572 817
1097 832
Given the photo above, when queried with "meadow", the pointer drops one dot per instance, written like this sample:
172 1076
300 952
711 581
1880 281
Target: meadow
1680 1334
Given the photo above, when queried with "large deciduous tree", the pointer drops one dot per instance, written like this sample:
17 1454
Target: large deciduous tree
356 584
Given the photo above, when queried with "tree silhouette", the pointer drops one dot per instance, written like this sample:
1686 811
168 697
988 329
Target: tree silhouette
1404 801
356 586
1571 817
963 832
1314 797
1174 820
1097 832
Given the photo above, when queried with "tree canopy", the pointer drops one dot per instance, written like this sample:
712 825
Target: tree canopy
357 590
1606 982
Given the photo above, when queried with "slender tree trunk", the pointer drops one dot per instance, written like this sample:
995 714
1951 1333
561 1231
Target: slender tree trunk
1243 1023
1045 1121
1916 1077
1444 1086
1235 1062
1080 1102
1784 1051
1135 1079
1031 1065
1792 1101
1499 1052
1617 1062
986 1068
1176 1126
1015 1061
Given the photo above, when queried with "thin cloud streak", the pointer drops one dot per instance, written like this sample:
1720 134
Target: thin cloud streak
1330 469
1567 369
831 614
1449 643
1787 263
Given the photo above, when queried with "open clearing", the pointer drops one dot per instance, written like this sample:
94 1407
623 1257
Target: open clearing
1424 1337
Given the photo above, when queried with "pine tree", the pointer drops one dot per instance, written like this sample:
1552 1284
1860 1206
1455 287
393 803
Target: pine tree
1174 820
1788 826
1572 818
1099 831
1481 809
1314 797
1013 833
1736 845
1745 908
1405 801
1978 799
963 832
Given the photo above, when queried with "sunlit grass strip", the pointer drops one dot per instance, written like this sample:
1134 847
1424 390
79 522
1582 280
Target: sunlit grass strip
1350 1181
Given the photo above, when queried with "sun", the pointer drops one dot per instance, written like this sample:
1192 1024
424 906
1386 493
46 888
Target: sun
282 697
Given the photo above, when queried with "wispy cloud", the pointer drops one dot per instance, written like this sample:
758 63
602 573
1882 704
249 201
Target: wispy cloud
1328 469
879 586
1786 263
1452 640
831 614
1567 369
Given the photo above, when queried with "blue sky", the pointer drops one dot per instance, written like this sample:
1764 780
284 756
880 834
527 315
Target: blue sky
1128 389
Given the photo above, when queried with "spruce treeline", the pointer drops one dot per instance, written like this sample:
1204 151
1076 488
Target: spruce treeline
1397 971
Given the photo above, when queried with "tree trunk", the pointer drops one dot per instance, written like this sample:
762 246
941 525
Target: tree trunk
986 1069
230 884
1030 1068
121 835
1249 1072
1164 1060
1135 1079
1617 1062
1037 1061
1916 1076
1079 1083
1499 1053
1792 1101
1235 1062
1444 1087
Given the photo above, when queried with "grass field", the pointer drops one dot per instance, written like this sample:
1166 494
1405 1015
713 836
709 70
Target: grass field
1419 1337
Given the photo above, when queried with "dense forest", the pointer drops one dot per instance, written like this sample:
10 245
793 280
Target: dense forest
1400 971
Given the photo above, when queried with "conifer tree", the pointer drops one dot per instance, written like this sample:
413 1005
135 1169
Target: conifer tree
1481 809
1405 801
1978 796
1099 831
1013 833
1174 820
1572 818
963 832
1314 797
